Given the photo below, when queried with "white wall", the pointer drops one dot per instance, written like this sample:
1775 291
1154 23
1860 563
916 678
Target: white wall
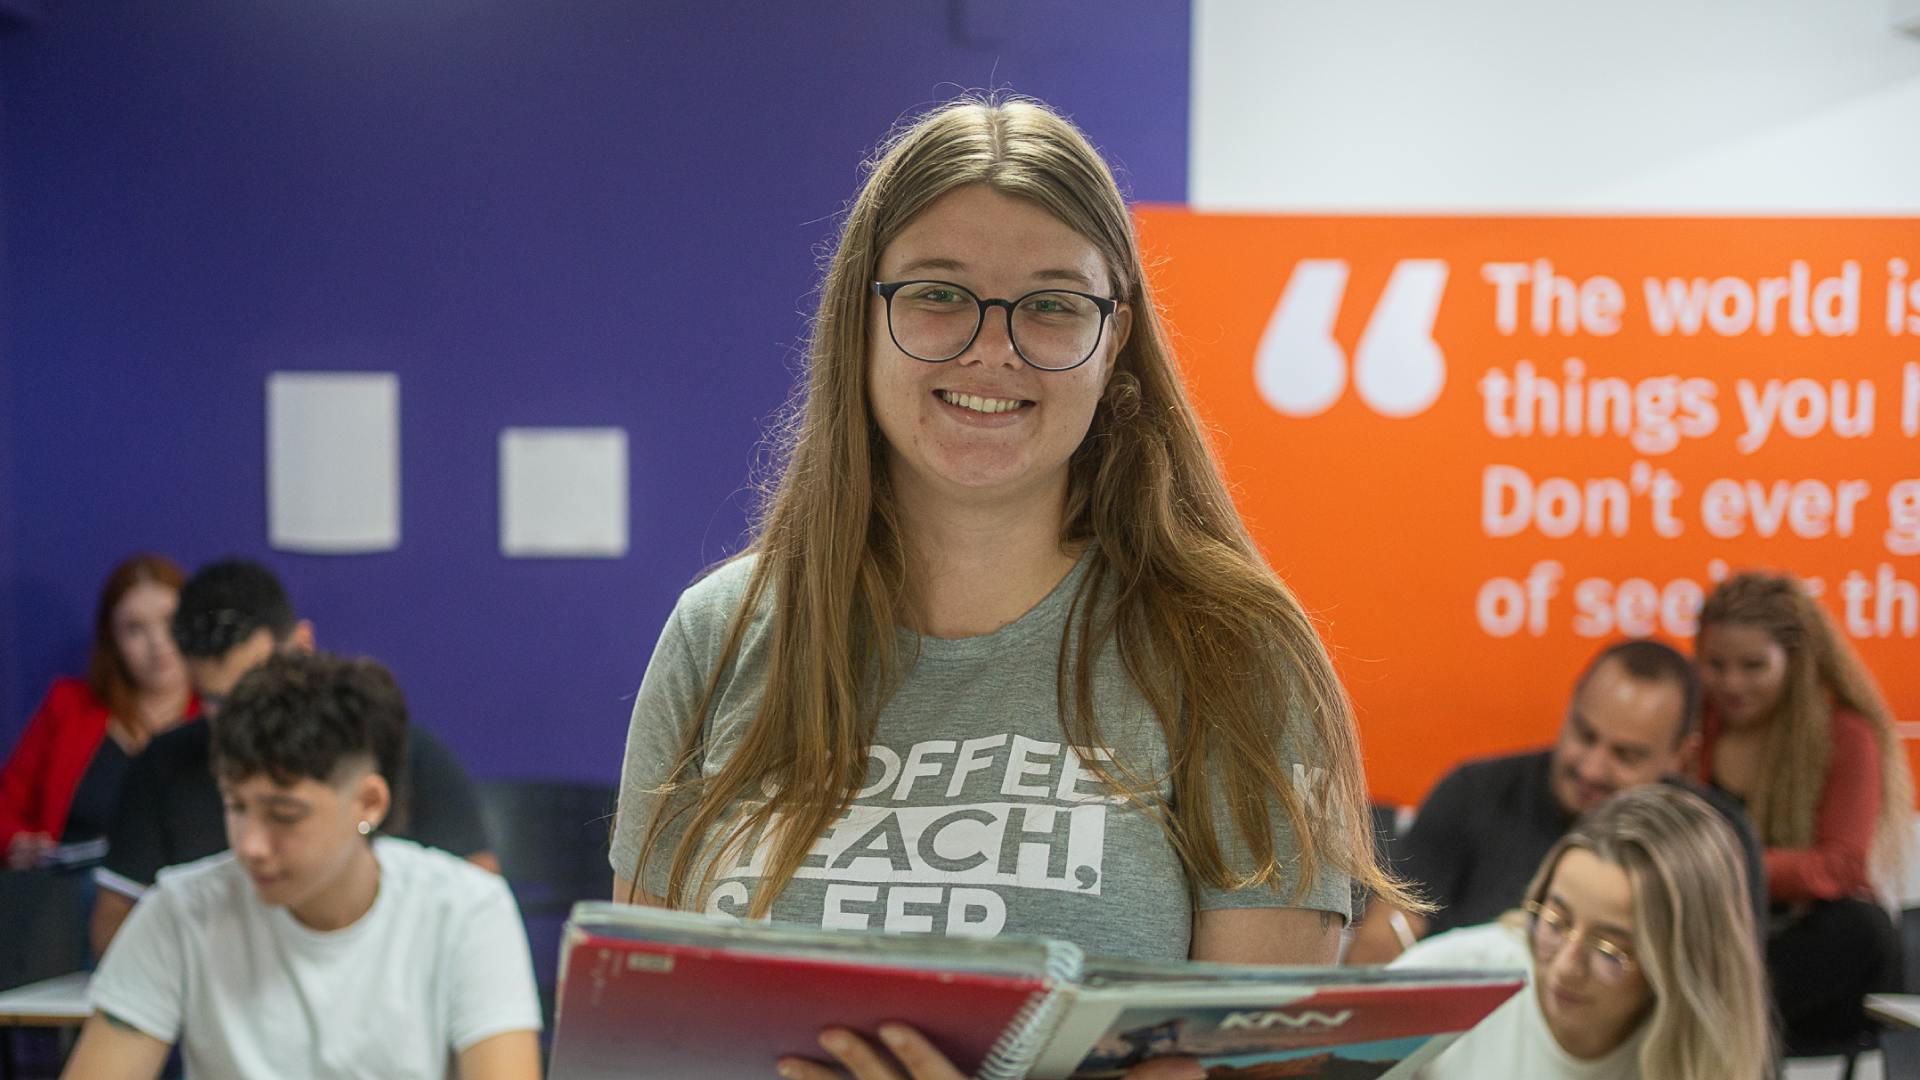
1517 105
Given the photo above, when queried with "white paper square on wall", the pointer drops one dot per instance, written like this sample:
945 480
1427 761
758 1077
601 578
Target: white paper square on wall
563 492
333 461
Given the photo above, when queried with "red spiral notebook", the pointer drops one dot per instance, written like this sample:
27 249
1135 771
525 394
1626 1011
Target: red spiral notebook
647 992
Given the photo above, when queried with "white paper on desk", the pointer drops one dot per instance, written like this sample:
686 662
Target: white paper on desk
1902 1010
333 461
563 492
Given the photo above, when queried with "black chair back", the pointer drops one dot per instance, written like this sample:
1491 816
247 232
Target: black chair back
45 914
551 837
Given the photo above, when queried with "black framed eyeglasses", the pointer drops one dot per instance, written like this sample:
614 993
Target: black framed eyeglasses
1548 932
1051 329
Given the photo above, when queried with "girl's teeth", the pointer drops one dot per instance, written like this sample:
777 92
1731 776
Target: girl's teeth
979 404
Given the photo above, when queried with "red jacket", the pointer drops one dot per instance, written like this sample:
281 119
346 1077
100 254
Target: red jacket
40 778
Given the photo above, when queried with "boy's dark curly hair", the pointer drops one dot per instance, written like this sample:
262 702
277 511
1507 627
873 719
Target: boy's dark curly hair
305 715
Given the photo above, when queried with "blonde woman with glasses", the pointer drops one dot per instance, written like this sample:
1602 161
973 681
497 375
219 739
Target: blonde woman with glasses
1001 657
1638 938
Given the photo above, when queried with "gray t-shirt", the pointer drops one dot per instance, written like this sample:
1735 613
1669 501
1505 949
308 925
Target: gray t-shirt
975 819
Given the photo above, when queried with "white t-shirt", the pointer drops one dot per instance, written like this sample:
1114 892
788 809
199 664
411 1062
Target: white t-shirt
1514 1039
437 964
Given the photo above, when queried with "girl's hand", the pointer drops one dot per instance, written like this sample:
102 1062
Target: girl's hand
909 1056
28 848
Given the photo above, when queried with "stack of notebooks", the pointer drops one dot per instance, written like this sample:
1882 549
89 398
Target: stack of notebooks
647 992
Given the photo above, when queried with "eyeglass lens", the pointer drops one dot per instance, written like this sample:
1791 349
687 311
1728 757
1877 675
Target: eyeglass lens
935 321
1551 934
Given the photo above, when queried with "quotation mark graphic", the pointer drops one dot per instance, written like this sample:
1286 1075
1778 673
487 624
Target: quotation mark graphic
1398 369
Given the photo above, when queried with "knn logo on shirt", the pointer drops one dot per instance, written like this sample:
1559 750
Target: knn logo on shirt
1397 369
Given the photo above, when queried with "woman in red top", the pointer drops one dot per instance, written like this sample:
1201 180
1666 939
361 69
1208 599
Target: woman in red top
60 782
1795 726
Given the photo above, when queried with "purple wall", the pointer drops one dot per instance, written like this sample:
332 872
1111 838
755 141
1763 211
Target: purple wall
9 505
537 212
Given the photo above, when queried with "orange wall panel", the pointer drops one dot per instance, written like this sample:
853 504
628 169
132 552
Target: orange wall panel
1406 408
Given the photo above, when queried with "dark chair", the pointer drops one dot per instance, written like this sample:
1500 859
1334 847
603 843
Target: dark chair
1900 1055
43 934
45 913
1849 1049
551 837
1900 1049
1910 948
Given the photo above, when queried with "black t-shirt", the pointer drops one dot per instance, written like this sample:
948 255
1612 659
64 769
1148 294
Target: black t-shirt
1483 830
169 809
99 790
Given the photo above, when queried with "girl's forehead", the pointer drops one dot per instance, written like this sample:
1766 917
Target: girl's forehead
1737 637
1593 888
979 230
145 600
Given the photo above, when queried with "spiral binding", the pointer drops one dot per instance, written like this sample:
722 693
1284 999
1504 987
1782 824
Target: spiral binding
1014 1052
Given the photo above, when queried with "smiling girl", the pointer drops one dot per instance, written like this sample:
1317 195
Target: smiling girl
1001 657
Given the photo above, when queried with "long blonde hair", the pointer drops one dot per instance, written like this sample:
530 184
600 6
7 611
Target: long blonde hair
1219 648
1823 672
1694 933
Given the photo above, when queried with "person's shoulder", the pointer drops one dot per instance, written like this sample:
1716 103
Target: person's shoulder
421 740
185 750
1851 727
191 739
1717 798
1521 762
213 883
1498 769
1856 745
434 769
720 589
441 893
71 696
1488 945
1481 801
437 880
70 712
173 759
706 608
